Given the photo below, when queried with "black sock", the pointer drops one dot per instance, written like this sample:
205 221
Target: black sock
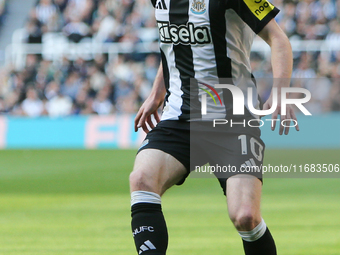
263 246
149 229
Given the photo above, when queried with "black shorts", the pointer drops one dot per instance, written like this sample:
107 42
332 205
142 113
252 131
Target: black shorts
229 151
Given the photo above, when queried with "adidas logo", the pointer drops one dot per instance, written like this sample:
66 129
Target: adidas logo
249 163
161 5
146 246
250 167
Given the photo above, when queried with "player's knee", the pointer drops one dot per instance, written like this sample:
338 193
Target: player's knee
139 180
245 220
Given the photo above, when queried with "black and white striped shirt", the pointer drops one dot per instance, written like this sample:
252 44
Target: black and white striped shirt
203 41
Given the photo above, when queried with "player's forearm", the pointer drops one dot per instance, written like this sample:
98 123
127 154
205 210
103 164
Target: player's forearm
281 53
158 90
282 60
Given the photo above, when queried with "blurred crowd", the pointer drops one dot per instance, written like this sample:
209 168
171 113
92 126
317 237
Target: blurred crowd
3 4
78 87
100 86
83 87
102 20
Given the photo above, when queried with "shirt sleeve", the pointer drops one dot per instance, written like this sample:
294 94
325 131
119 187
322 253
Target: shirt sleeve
255 13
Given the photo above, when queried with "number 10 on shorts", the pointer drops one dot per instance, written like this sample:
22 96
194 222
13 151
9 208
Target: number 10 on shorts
253 144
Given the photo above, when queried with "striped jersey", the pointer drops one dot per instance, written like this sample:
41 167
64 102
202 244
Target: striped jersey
203 42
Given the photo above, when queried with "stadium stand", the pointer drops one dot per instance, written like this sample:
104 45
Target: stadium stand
102 83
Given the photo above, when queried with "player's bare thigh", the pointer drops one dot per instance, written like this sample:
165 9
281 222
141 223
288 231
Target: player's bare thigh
244 201
155 171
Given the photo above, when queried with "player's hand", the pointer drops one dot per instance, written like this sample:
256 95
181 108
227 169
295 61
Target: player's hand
286 118
143 117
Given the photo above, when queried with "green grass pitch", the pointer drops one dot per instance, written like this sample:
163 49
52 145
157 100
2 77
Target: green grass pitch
77 202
